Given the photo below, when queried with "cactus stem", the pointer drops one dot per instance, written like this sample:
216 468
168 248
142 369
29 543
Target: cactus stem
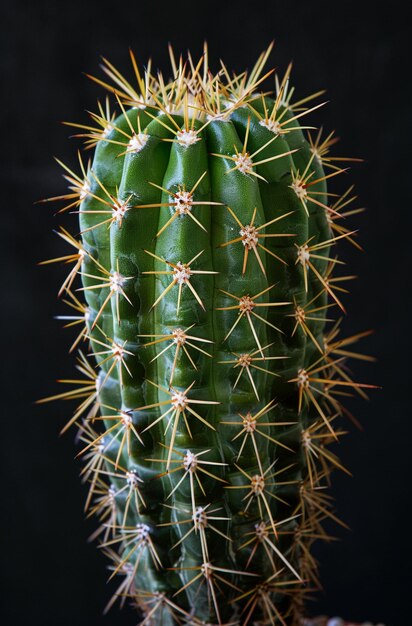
305 314
76 258
106 509
104 120
261 596
87 389
258 489
250 235
117 353
138 537
315 452
321 149
334 345
244 161
117 208
191 464
75 320
200 520
305 253
208 573
245 307
124 426
250 425
79 186
181 273
114 281
132 489
260 536
160 601
180 404
191 499
182 203
246 361
301 183
179 338
125 587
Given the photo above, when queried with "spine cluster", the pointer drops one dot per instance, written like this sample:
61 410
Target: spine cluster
212 369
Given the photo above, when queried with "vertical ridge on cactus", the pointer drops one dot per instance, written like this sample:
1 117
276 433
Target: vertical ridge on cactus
210 385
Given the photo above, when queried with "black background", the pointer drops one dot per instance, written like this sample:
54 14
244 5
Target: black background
358 51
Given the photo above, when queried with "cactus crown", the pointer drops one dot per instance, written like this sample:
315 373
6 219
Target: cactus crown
210 385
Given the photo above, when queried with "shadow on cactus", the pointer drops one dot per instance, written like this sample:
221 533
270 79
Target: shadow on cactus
211 366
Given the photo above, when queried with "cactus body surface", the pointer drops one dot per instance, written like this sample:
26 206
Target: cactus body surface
211 386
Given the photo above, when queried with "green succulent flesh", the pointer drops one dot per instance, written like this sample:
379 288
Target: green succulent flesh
211 385
203 457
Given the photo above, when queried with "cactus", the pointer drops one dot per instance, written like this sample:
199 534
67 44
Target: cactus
210 385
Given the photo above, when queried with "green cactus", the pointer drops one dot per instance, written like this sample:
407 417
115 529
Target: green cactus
210 388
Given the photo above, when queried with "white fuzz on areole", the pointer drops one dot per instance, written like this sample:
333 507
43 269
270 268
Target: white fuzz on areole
183 202
179 336
190 107
190 461
200 517
179 400
128 569
118 351
218 117
303 254
299 188
303 378
243 162
261 531
257 484
300 312
249 423
316 154
206 570
272 125
246 304
126 418
306 439
244 360
249 236
329 218
142 104
181 274
137 142
132 478
107 130
143 532
228 103
187 138
119 210
117 281
84 189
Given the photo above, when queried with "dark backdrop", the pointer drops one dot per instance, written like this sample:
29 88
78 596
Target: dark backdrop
358 51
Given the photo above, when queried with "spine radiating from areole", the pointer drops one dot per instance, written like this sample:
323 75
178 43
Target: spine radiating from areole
212 369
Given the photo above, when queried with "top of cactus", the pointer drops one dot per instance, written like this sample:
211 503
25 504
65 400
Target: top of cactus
196 93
